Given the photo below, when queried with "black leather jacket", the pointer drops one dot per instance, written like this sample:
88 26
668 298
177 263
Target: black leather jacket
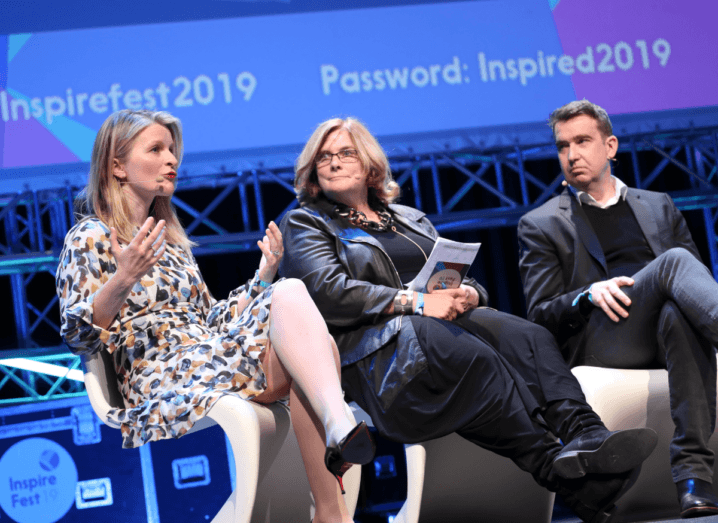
352 279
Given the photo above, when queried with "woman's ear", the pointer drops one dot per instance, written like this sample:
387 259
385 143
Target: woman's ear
118 170
372 176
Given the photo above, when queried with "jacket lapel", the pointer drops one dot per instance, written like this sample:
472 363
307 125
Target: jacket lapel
410 218
571 210
341 229
644 216
406 216
351 233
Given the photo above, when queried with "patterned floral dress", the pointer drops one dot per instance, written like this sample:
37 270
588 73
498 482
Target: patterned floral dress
176 349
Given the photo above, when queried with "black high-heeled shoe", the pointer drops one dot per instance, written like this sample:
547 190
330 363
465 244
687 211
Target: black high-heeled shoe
357 448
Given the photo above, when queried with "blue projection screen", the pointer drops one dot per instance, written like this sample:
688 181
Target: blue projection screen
259 83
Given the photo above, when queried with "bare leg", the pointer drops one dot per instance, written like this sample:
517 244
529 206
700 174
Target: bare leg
329 502
300 338
311 349
330 506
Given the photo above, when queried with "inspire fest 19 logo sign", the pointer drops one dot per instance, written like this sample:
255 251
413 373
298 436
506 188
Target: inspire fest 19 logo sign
38 478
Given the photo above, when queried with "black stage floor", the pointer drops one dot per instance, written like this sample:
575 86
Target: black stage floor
707 519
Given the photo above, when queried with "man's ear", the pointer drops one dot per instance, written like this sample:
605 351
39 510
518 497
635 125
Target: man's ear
612 146
118 170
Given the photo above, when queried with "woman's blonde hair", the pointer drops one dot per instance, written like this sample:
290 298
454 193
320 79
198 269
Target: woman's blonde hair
104 197
382 186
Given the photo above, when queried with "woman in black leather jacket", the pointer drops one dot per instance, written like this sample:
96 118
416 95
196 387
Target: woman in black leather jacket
424 366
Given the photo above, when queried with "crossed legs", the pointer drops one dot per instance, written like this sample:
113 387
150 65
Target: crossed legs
672 323
304 360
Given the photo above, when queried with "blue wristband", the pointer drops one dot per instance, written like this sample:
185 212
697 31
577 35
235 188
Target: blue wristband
586 293
419 310
257 281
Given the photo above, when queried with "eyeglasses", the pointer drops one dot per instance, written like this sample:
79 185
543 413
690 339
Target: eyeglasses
344 156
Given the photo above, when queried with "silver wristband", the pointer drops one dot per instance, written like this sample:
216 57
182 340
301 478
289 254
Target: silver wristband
404 302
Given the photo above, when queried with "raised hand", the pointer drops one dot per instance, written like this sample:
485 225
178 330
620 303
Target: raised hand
272 252
140 255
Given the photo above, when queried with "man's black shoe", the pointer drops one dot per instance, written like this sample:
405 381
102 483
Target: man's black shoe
697 498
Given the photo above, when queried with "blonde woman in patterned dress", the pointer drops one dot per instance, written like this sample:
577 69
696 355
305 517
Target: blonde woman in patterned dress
128 284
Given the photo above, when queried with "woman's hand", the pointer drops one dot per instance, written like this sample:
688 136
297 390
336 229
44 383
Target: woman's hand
445 304
472 297
133 262
141 254
272 252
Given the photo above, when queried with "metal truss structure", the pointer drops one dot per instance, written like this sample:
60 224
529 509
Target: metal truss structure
40 375
464 188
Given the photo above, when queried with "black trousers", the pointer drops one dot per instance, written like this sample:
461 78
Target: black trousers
530 349
672 324
486 376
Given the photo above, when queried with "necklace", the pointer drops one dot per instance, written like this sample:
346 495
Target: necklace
359 219
393 228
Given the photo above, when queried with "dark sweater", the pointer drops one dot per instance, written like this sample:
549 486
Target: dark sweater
621 238
407 257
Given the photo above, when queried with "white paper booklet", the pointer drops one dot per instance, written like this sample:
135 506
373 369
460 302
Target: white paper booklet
446 267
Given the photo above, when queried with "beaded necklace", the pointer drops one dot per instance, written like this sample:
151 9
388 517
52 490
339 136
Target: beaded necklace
359 219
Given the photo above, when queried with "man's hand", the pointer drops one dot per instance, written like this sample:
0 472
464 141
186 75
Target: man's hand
607 294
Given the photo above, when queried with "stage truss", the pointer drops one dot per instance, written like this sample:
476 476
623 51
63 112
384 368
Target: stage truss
465 189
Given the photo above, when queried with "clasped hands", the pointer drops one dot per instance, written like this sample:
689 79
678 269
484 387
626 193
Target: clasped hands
447 304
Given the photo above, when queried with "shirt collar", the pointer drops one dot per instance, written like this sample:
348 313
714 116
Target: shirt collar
584 197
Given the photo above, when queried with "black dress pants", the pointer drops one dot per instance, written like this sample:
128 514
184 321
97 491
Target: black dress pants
530 349
672 324
467 387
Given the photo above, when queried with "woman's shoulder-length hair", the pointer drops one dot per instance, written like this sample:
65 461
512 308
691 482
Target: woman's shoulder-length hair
371 155
103 196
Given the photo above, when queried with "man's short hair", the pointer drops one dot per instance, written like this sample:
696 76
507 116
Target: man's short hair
573 109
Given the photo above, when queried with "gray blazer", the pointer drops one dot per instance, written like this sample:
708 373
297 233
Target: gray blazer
560 256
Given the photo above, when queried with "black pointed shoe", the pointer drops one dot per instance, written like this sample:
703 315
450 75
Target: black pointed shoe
357 448
696 498
604 452
593 497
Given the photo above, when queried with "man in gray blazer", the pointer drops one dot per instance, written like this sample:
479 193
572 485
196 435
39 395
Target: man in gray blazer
613 273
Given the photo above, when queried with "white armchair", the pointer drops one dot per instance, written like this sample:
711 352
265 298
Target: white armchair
630 399
265 451
451 479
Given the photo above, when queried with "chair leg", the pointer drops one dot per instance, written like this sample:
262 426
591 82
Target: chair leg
253 432
415 466
352 479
